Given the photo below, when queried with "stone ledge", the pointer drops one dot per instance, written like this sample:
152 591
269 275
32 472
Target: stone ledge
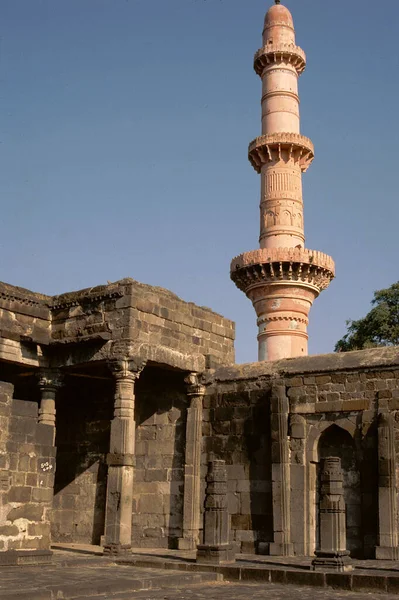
25 557
370 359
374 581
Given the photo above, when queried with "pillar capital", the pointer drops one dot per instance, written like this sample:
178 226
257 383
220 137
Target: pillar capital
126 368
194 386
50 379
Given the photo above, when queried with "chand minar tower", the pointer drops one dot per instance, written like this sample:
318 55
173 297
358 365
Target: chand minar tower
282 278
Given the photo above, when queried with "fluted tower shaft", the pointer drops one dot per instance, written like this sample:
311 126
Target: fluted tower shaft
282 278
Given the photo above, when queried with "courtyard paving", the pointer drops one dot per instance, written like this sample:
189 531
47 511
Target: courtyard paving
79 572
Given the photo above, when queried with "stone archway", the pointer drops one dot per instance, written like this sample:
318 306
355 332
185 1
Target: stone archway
336 441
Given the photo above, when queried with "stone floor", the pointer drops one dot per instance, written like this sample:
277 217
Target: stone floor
81 572
387 567
76 576
239 591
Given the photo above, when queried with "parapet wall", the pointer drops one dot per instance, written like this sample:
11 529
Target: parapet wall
160 326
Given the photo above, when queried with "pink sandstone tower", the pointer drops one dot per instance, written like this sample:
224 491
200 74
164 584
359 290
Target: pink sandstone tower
282 278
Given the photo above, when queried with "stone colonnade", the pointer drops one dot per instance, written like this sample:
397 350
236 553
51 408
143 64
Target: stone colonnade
293 466
121 460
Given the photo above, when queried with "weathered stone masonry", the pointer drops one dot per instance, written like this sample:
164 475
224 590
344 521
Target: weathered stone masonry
27 466
115 399
273 423
137 422
97 367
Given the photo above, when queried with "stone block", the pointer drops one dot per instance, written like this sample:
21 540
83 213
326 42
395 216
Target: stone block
39 529
308 578
42 495
31 479
24 408
372 583
30 512
20 494
155 475
9 530
151 504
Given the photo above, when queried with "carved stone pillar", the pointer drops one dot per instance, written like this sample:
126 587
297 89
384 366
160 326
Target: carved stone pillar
118 516
281 546
50 380
387 492
332 554
216 548
299 487
192 467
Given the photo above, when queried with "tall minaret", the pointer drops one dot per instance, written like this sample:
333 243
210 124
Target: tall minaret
282 278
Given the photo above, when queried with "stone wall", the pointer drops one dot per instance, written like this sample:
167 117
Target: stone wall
333 407
161 405
27 465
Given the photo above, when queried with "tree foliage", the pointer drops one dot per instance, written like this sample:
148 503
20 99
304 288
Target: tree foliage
380 327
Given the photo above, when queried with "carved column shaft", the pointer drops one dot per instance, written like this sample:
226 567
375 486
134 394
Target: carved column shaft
216 548
118 518
332 554
192 467
50 381
387 491
299 487
280 474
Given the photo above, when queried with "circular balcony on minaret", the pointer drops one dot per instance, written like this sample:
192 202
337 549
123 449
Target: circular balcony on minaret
281 146
280 53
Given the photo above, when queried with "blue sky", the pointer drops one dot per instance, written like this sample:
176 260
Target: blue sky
124 127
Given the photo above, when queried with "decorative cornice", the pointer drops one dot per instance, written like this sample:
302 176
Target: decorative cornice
281 146
62 302
26 300
273 53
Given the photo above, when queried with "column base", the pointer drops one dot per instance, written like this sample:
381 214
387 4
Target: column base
386 553
215 555
117 549
332 561
281 549
187 543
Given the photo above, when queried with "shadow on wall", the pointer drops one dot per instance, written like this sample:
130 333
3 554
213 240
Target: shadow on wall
237 429
359 465
161 404
84 412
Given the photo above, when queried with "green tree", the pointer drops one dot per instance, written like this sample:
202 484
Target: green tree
380 327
